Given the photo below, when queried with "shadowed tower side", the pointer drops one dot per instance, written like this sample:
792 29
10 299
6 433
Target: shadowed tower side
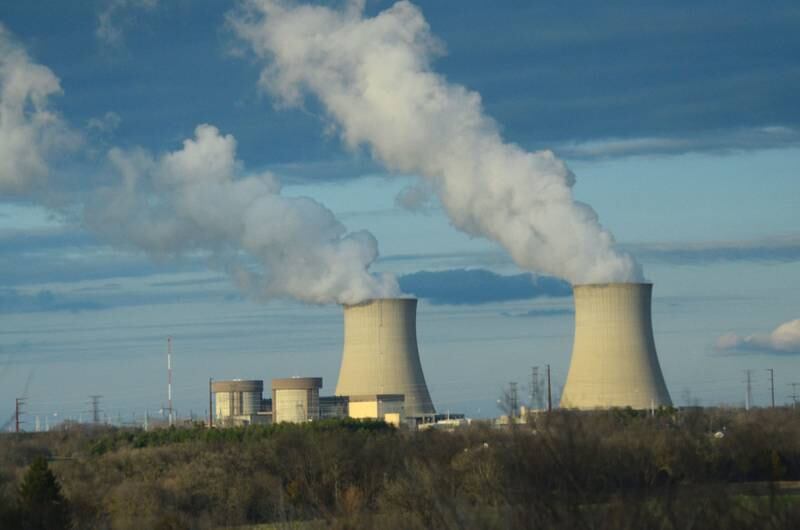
380 354
614 361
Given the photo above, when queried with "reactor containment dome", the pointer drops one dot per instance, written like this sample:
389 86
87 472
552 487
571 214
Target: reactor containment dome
380 354
614 361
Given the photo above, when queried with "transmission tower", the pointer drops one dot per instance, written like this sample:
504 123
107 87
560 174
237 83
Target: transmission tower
18 403
95 409
536 389
514 398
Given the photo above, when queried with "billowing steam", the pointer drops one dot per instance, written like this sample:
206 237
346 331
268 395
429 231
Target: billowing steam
374 77
199 199
195 200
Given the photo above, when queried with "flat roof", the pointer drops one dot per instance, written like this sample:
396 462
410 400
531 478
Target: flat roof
378 397
296 383
238 385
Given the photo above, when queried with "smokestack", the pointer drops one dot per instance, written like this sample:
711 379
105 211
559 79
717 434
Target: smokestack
614 361
380 354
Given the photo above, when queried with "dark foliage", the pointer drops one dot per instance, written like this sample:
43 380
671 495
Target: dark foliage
614 470
40 504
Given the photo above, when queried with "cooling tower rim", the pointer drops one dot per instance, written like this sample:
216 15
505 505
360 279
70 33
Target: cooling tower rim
612 284
369 301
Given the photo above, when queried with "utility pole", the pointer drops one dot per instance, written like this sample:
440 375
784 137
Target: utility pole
794 395
772 385
748 396
210 403
169 380
549 392
18 403
95 409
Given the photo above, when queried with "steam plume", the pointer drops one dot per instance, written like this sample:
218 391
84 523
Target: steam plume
374 77
197 199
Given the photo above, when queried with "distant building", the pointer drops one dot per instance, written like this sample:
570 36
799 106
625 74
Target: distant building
238 402
386 407
296 399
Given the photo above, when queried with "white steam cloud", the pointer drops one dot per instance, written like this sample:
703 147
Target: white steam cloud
196 200
199 199
783 339
374 77
30 131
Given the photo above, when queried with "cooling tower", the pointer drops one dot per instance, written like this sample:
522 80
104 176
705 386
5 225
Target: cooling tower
380 354
614 361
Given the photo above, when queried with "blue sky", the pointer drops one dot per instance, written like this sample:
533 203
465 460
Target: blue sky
680 123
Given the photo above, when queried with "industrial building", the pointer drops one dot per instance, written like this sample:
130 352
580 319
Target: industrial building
238 402
380 354
296 399
614 364
386 407
614 361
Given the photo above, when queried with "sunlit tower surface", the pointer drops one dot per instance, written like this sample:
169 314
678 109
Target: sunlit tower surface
614 361
380 353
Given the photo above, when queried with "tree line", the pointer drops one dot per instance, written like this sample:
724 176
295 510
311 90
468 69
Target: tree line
618 469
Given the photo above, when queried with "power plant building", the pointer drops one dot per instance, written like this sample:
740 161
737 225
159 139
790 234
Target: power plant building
380 354
614 361
296 399
386 407
238 402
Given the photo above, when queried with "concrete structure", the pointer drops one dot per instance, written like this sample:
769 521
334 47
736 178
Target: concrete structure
380 354
296 399
386 407
237 401
333 407
614 361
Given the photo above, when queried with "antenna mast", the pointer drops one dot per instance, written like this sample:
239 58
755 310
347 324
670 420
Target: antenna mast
169 380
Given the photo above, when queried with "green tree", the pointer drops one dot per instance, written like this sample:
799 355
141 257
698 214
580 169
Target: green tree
40 501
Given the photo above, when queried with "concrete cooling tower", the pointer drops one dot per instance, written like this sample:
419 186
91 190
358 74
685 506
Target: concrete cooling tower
614 361
380 354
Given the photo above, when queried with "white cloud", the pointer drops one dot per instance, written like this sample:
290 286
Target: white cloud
714 141
30 131
111 20
106 124
783 339
374 77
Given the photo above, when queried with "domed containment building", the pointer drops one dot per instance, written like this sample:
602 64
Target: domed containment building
237 401
614 361
295 399
380 354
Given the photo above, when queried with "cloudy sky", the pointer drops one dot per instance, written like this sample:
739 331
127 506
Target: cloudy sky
217 172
